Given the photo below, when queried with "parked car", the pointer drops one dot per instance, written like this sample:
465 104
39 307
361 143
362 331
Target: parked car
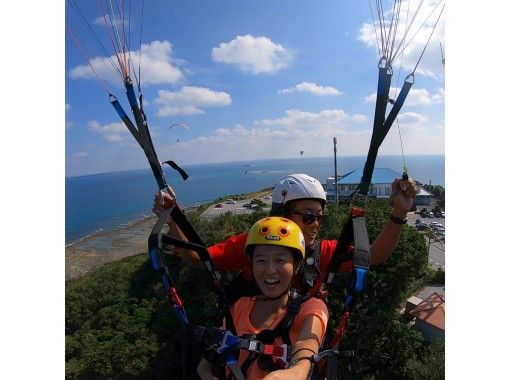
421 226
418 221
230 202
247 205
442 214
218 205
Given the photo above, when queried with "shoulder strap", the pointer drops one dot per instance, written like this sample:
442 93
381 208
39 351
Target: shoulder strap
311 268
283 327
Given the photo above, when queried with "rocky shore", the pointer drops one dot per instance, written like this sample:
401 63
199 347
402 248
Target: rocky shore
89 253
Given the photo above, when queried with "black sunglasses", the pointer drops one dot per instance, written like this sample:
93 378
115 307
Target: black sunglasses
309 218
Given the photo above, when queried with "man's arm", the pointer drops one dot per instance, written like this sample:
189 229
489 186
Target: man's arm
163 201
227 255
402 198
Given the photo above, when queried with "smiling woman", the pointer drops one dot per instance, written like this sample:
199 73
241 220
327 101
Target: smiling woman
275 247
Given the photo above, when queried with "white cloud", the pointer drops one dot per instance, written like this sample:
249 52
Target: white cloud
415 40
100 20
416 97
251 54
313 132
113 132
359 118
297 119
419 136
68 107
81 154
157 65
190 100
312 88
412 119
69 124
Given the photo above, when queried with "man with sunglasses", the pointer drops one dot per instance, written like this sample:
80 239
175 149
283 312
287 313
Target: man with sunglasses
302 199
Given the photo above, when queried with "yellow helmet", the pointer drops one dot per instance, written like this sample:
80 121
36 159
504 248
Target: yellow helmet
276 230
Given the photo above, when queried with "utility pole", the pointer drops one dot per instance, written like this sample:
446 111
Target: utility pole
336 175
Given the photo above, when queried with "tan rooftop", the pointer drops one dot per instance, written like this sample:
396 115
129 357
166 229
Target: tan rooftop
431 310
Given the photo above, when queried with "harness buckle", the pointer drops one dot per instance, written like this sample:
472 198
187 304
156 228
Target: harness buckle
228 342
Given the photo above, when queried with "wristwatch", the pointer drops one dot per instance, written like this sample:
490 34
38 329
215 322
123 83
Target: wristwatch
396 220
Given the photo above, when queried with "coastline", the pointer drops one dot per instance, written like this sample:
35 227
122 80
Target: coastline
90 252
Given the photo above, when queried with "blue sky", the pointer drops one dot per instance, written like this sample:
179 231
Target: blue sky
251 80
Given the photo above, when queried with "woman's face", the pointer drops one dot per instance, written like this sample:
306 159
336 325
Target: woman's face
310 229
273 269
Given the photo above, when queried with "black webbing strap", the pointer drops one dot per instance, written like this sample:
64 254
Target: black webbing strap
382 124
283 327
183 223
383 89
409 81
331 366
310 269
143 137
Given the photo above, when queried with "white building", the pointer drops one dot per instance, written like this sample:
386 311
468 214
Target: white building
379 188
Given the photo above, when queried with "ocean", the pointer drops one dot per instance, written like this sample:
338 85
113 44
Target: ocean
108 201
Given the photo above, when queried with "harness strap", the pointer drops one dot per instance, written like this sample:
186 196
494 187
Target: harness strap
311 267
361 257
361 263
226 346
281 330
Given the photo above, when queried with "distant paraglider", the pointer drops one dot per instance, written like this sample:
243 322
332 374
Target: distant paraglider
181 125
301 154
178 125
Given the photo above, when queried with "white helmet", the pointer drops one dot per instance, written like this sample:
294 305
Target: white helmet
298 186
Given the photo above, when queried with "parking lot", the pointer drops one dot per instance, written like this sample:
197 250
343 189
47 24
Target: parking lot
436 247
237 207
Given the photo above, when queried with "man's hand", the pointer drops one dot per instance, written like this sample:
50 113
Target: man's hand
402 196
163 200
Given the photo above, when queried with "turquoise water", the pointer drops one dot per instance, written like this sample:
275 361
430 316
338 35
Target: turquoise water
107 201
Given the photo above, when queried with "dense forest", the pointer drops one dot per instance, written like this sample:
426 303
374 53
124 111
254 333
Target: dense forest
119 323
